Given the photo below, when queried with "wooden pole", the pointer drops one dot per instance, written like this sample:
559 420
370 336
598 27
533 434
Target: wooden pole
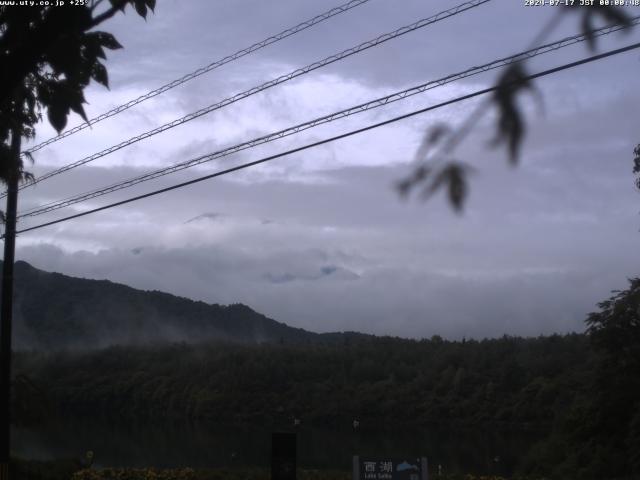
6 309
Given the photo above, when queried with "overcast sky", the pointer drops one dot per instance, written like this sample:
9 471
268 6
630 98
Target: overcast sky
320 239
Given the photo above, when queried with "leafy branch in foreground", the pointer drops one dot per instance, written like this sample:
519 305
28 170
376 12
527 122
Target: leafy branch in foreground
442 170
48 56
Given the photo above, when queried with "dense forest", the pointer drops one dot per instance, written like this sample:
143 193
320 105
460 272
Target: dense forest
551 385
384 382
580 392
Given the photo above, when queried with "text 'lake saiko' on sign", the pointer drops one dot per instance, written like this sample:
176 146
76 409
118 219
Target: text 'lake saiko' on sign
390 469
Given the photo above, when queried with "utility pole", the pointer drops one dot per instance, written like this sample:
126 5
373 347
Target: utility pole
6 309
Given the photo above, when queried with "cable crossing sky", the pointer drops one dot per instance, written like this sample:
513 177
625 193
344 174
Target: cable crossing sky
477 93
201 71
272 83
379 102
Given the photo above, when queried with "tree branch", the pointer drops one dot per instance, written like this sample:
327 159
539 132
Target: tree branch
115 7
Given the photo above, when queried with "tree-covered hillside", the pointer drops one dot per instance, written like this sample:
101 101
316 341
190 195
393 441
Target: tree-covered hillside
55 312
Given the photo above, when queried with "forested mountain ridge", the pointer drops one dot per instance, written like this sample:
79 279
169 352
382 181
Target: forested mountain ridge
57 312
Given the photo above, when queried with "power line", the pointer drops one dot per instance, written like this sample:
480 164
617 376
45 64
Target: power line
201 71
477 93
394 97
284 78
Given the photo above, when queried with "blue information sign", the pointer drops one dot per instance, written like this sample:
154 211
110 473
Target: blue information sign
409 468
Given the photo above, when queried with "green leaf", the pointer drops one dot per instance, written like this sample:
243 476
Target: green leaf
62 56
141 7
57 115
61 97
418 175
437 132
108 41
587 30
119 4
74 96
610 15
511 126
403 186
457 187
431 138
27 177
99 74
438 181
453 176
93 46
79 109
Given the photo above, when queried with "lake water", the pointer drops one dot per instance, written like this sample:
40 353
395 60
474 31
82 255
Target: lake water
169 446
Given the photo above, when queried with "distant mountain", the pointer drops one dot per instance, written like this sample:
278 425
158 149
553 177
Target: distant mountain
54 311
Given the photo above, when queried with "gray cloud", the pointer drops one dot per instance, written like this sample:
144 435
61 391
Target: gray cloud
211 216
536 263
320 239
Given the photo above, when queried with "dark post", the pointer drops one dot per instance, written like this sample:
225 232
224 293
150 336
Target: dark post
283 456
6 309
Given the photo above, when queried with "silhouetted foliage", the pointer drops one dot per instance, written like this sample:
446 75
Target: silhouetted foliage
511 126
599 437
48 56
607 13
441 170
615 335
